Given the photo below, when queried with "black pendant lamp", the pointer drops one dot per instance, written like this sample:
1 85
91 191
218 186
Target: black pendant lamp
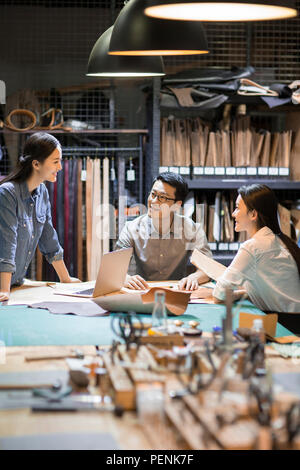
135 34
101 64
216 10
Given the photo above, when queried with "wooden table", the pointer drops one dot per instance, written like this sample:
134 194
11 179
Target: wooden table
126 430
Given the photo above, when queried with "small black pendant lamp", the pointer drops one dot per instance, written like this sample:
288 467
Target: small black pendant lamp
101 64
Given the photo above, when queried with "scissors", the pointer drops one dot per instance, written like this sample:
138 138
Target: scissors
263 394
126 328
253 359
55 393
196 382
293 421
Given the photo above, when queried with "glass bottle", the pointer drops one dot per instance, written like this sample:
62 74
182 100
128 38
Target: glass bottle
258 329
159 314
258 337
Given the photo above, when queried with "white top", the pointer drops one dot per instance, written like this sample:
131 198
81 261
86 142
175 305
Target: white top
266 269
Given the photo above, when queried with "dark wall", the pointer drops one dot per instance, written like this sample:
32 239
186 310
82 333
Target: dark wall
46 44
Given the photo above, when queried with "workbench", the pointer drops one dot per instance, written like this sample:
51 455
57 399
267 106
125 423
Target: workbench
28 331
23 326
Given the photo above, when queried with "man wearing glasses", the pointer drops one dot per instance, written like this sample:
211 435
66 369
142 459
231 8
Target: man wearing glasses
163 240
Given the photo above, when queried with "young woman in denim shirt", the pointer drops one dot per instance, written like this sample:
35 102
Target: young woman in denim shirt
25 213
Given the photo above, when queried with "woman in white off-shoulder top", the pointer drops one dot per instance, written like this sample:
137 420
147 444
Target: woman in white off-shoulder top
267 265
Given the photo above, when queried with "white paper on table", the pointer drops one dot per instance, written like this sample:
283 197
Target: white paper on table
73 287
164 284
201 301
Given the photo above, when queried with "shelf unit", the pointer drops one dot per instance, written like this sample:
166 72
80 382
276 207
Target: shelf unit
82 131
218 183
141 133
110 147
204 183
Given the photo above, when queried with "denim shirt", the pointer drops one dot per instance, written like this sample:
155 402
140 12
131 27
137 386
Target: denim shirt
25 222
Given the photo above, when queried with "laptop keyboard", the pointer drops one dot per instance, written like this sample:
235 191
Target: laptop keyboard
85 292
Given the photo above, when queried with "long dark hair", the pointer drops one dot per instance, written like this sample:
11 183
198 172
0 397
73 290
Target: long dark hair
37 147
261 198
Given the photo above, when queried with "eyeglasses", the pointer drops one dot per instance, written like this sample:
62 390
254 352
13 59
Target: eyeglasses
160 197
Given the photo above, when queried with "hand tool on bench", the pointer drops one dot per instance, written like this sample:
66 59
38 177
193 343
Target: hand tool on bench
76 353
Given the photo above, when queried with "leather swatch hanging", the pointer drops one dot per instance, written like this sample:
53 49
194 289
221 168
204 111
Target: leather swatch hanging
96 226
105 205
79 251
88 206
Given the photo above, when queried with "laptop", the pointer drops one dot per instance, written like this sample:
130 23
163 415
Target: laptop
111 275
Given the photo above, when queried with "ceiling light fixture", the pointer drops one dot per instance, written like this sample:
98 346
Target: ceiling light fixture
135 34
101 64
216 10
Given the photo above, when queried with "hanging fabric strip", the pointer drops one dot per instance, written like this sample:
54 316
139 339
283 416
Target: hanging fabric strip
43 269
167 142
74 225
72 215
96 249
60 204
79 252
88 205
66 213
195 129
105 205
70 190
54 206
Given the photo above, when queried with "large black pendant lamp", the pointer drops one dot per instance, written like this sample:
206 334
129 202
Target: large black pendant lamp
135 33
101 64
216 10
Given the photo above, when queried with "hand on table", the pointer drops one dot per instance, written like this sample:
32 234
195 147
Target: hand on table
136 282
4 295
70 280
188 283
203 293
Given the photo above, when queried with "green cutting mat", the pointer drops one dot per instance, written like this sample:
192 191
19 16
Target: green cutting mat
23 326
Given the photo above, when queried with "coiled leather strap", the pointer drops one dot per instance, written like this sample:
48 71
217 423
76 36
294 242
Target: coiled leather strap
33 125
20 112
